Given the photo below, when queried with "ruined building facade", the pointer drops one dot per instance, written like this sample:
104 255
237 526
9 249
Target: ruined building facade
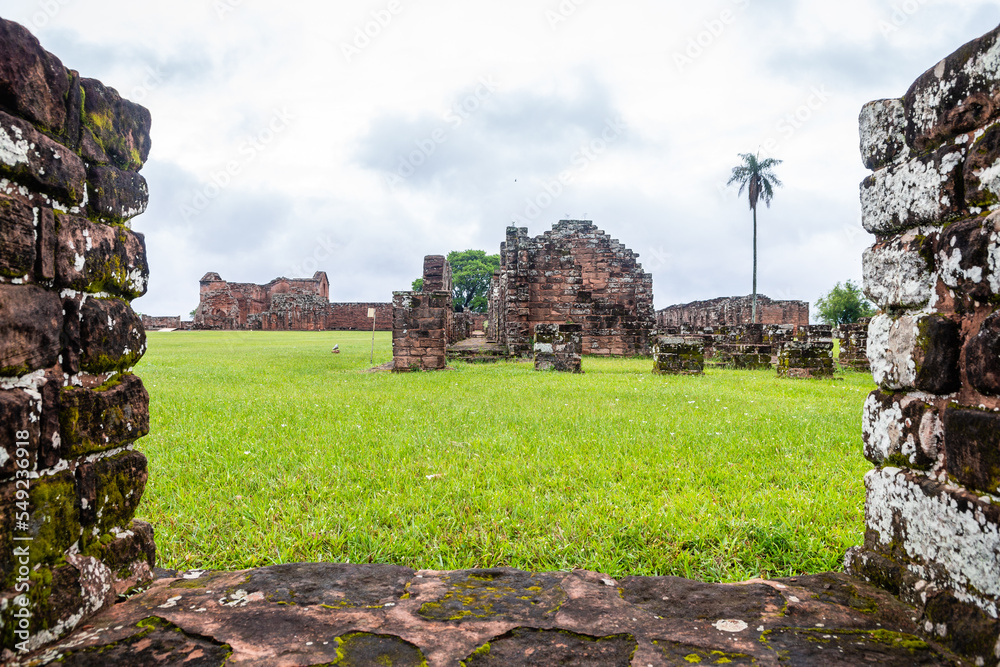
734 311
573 274
284 304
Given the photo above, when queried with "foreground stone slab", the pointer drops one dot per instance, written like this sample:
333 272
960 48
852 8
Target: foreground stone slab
337 614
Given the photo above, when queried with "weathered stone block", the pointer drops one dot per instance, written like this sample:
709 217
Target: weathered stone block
111 336
967 256
558 347
982 171
915 352
32 159
17 239
806 359
982 357
927 190
948 537
116 195
901 430
48 513
883 133
972 442
958 95
120 482
30 324
120 128
33 82
31 410
899 273
676 355
94 420
92 257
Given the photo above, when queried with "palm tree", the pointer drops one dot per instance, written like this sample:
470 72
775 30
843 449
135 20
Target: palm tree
755 176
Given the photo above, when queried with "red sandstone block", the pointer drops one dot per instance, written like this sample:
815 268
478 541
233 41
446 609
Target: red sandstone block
97 420
41 164
112 337
99 258
116 195
17 239
30 323
33 82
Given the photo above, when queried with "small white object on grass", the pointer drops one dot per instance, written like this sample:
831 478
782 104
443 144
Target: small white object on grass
336 349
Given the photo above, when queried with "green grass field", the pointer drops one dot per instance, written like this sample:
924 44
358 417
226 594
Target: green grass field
266 448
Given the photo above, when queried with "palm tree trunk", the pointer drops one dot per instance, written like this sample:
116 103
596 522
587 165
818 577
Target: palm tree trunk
754 312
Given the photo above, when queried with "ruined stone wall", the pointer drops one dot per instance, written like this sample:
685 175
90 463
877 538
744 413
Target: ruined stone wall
854 345
354 317
421 321
679 355
558 347
809 355
932 429
734 311
284 304
574 273
70 408
150 323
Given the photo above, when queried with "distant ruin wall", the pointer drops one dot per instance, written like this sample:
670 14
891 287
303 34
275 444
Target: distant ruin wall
577 274
284 304
153 323
734 311
854 345
71 410
932 429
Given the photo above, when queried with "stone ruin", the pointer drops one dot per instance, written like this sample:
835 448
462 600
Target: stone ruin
422 320
854 345
558 347
573 274
932 429
809 355
72 411
151 323
284 304
734 312
70 408
679 355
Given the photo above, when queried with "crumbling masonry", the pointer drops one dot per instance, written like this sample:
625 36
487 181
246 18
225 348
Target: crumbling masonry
284 304
70 408
733 312
573 274
421 321
933 427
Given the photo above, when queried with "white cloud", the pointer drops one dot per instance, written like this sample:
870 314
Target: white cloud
215 73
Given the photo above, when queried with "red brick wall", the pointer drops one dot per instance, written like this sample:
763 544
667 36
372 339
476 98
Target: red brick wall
574 273
734 311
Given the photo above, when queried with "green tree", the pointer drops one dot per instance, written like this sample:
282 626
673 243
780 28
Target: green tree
756 177
471 273
844 304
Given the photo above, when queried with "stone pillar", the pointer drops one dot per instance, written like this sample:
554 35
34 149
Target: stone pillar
421 321
678 355
70 408
932 429
809 355
558 347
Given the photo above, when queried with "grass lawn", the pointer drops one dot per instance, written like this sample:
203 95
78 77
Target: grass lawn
266 448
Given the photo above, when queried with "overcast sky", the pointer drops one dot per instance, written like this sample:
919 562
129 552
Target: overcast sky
357 137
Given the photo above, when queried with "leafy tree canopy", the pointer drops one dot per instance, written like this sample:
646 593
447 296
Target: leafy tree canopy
845 304
471 272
